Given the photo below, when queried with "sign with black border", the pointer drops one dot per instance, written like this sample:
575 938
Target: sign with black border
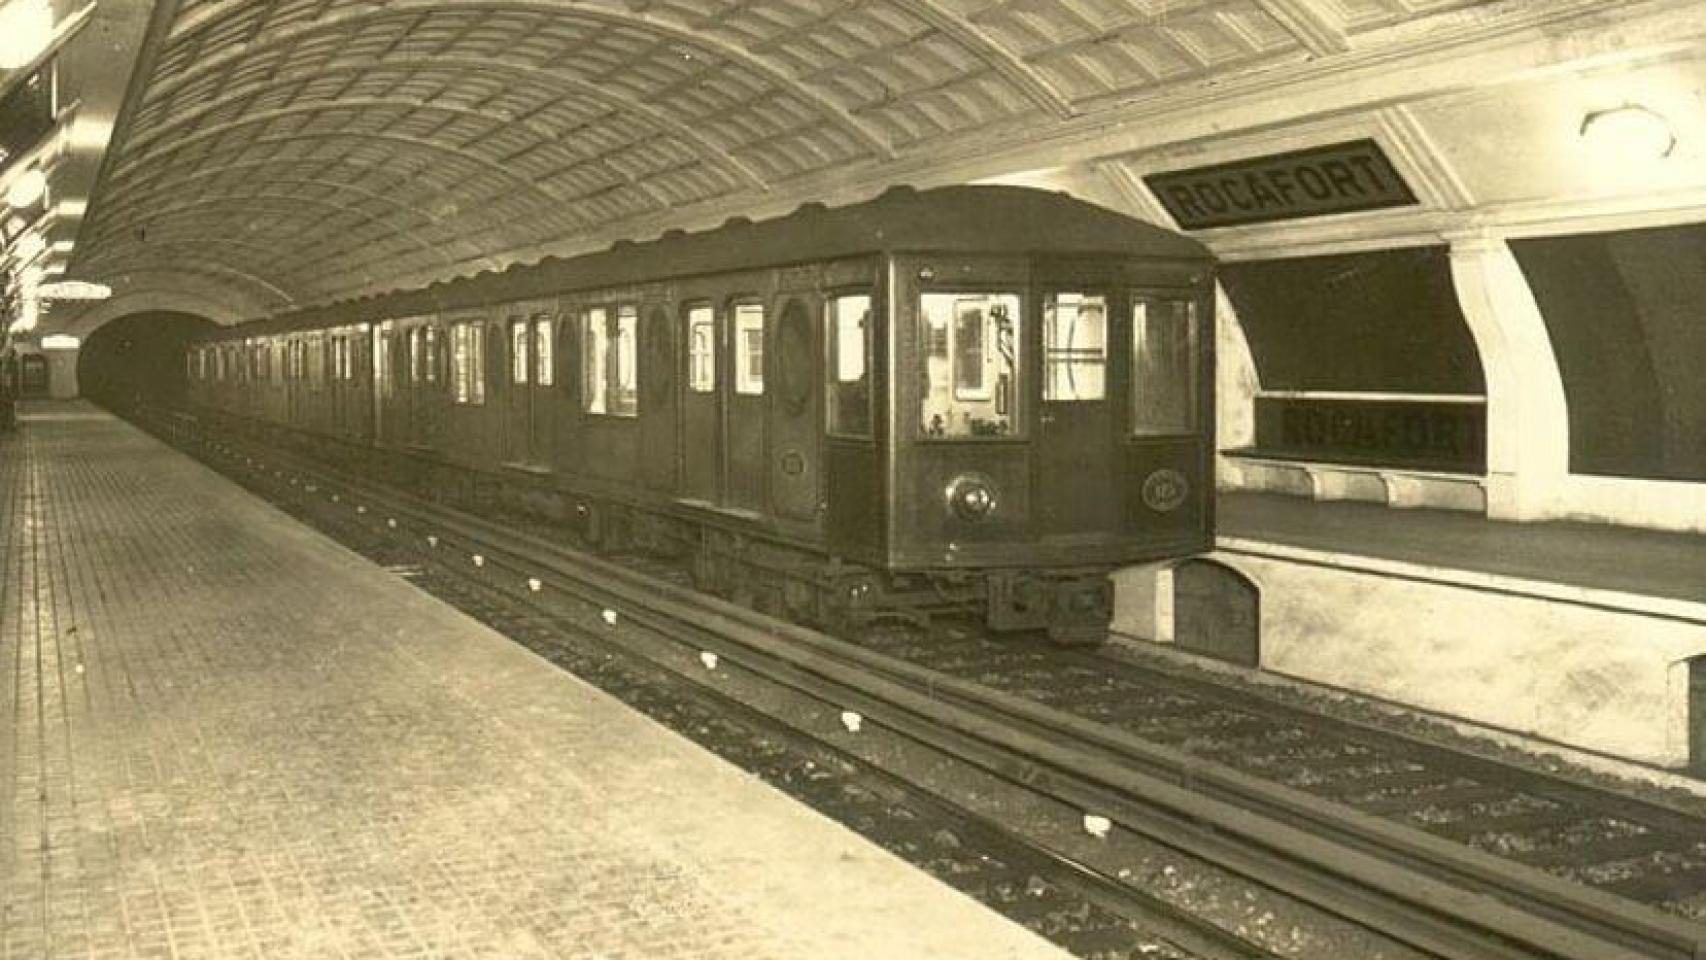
1338 178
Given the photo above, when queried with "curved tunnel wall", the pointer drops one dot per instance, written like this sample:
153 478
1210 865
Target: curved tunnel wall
1623 312
138 357
1363 359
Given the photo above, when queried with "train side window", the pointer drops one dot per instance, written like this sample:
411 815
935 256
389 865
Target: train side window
383 361
1165 352
749 349
610 361
849 340
468 362
595 359
544 361
518 361
430 335
1075 347
701 349
969 345
625 401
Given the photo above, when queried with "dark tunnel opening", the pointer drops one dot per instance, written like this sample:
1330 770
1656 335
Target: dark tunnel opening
138 358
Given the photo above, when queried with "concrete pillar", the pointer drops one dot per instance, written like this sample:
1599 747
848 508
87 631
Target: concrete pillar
1236 379
61 373
1528 426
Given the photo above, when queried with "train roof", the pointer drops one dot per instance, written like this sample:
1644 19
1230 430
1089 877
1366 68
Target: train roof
959 219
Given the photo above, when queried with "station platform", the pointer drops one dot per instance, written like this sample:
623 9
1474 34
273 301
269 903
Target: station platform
1586 636
229 737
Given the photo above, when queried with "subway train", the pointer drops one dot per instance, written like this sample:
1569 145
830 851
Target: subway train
972 399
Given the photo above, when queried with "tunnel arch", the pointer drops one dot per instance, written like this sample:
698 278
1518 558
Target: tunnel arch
138 358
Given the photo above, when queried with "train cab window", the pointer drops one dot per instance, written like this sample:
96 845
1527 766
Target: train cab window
849 340
701 349
970 349
1075 347
610 361
468 363
749 349
518 360
1164 367
544 361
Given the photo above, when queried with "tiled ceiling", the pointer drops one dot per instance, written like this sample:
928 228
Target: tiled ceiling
326 148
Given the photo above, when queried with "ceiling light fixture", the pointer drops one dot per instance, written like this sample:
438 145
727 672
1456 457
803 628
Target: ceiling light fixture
29 247
1630 131
26 189
26 29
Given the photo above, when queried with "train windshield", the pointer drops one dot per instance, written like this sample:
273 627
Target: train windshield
970 345
1075 347
1164 350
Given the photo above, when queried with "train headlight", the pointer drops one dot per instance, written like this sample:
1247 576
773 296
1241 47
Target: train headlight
971 496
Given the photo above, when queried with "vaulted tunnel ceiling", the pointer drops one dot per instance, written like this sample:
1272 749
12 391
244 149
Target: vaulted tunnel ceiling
307 150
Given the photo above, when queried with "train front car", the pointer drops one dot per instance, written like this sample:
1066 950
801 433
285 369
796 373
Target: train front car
1052 409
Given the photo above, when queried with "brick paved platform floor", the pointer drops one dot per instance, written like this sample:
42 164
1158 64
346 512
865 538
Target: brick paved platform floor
225 736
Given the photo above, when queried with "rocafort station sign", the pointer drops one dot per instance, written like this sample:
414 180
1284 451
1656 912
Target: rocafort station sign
1341 178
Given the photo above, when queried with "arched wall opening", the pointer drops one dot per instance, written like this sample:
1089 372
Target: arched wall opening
138 358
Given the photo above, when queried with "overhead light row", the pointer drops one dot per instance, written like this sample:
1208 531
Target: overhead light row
26 29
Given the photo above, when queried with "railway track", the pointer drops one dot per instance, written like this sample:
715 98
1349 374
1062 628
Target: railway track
1093 795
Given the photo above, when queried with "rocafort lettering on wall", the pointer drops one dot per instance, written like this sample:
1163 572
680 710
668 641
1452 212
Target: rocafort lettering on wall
1340 178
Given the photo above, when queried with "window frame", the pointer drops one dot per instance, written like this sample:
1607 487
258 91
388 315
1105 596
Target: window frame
1021 398
543 328
1195 410
602 395
740 386
832 361
468 362
1048 300
688 310
520 350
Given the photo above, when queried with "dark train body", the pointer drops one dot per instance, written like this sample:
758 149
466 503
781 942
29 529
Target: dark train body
971 397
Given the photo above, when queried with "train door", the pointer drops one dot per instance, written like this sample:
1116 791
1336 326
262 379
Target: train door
339 347
429 395
701 405
1074 467
658 461
795 425
518 392
292 381
362 388
541 413
744 461
384 380
532 379
409 382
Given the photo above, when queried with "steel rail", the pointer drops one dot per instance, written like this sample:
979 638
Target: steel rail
793 707
1433 894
